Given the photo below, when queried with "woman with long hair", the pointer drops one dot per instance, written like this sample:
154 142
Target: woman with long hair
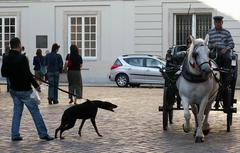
74 64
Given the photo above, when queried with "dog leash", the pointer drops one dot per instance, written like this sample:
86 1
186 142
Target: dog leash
48 84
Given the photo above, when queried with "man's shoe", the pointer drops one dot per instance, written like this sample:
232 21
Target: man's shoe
71 101
47 138
49 102
17 139
55 101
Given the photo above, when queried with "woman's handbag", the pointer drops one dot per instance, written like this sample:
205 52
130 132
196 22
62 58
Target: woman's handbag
68 63
43 70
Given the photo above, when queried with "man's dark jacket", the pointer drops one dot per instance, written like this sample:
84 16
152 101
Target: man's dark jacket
16 67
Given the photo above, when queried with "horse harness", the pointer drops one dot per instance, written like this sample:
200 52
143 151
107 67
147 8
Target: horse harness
186 72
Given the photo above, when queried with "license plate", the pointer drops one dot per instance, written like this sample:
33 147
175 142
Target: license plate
234 62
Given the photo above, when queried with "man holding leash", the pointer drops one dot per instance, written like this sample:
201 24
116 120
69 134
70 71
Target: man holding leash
16 68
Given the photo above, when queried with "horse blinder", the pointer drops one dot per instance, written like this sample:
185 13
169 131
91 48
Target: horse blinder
194 55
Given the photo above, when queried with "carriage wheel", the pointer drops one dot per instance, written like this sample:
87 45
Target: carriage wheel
165 120
229 111
170 116
234 79
229 121
165 111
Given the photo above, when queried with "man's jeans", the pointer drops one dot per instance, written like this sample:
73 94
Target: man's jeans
53 80
19 99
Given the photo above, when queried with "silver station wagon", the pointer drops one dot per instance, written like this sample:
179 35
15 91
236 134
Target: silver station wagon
136 69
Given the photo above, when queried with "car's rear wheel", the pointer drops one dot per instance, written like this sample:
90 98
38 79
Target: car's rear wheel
122 80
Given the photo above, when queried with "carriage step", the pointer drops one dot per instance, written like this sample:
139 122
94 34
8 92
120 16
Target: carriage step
231 110
234 110
160 108
234 101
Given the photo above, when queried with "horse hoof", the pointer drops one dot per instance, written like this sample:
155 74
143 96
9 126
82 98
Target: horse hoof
205 132
185 130
199 139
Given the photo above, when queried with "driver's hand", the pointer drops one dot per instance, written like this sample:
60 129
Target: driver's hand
214 45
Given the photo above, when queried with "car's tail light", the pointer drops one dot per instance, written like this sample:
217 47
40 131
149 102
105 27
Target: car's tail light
114 66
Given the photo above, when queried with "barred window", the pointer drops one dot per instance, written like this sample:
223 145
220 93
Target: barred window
83 33
183 28
193 24
7 32
203 24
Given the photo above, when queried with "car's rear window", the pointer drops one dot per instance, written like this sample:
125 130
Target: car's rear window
134 61
117 62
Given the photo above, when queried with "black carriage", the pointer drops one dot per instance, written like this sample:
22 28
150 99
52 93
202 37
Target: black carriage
171 100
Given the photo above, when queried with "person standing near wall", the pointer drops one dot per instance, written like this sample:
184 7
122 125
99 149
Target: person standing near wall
16 68
73 65
46 52
39 65
54 64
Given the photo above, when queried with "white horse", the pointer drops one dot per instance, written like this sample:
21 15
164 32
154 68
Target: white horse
197 87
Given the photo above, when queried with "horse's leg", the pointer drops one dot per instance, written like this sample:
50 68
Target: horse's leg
195 112
187 115
206 126
199 134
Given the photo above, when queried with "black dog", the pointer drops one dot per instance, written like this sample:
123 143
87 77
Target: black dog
86 110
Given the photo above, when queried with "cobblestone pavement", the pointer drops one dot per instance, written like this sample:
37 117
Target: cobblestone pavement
135 126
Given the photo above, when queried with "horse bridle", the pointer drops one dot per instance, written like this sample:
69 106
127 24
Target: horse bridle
195 54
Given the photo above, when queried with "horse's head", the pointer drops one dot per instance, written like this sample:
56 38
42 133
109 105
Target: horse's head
198 56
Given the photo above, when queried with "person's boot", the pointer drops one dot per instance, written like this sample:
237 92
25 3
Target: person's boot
49 101
71 101
55 102
75 100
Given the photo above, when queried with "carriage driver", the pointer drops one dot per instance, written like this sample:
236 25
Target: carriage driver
221 40
221 44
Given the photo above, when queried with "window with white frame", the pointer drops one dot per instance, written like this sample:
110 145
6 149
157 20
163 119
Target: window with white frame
196 25
7 32
82 32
